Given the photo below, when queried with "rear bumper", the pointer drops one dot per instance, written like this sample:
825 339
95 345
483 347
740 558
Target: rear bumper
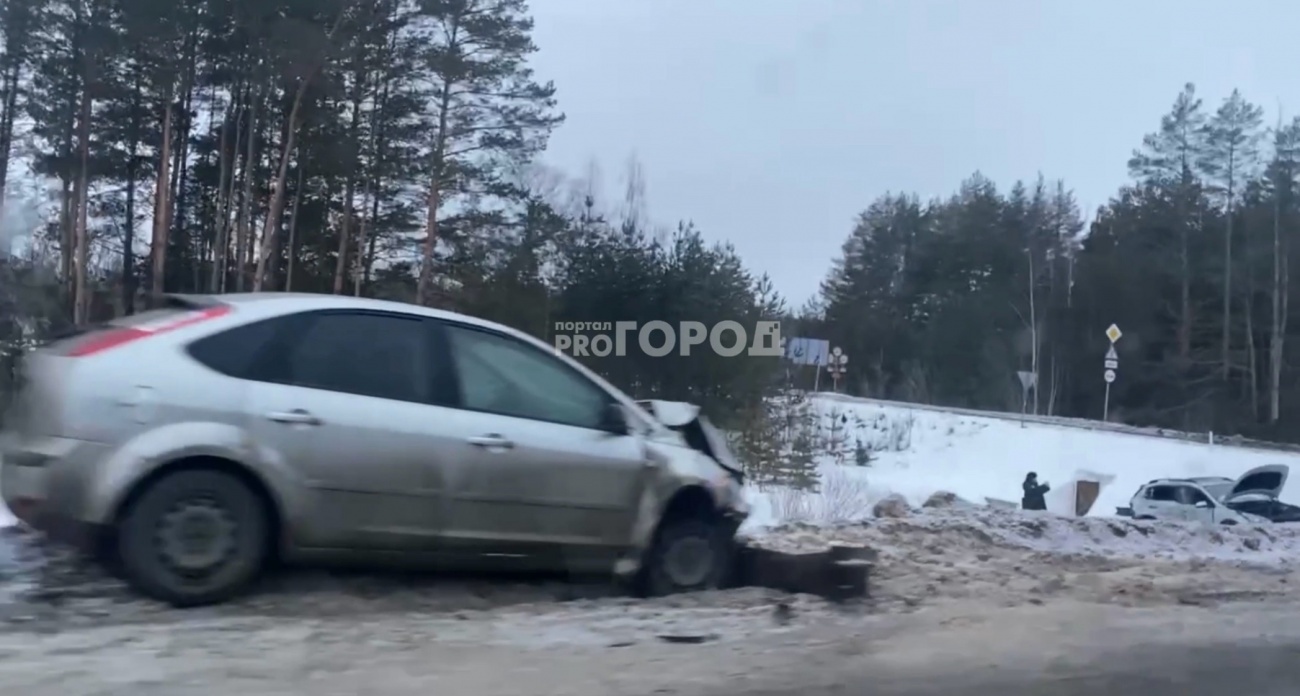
48 493
24 494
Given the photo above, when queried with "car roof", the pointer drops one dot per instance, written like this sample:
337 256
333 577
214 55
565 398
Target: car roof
1198 480
310 300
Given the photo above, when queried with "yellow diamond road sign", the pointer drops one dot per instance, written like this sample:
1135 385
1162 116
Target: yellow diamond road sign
1113 333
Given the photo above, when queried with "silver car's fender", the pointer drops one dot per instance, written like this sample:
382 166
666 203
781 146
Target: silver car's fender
140 456
673 469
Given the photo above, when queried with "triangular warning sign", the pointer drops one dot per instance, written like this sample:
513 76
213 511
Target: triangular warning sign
1111 354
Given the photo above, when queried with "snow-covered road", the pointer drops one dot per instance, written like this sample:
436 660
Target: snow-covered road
956 647
957 591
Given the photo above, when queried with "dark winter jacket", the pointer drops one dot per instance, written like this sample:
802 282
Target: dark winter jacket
1034 491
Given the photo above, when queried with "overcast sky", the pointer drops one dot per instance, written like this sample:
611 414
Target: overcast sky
772 123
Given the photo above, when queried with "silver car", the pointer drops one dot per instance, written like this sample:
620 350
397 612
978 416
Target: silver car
197 442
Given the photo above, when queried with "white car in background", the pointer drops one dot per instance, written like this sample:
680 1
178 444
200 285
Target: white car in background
1208 499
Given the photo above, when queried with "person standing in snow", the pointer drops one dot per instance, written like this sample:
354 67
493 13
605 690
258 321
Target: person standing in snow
1034 491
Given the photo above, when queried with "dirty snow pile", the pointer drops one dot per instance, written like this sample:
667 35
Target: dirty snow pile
952 550
1042 532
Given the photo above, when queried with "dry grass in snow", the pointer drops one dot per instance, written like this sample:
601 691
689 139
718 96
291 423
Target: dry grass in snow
840 498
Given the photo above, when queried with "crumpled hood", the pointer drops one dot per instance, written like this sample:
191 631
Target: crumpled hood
699 433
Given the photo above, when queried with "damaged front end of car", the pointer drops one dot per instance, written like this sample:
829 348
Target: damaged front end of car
691 471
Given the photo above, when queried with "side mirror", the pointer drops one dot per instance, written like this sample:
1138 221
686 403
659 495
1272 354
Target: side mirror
1203 504
614 420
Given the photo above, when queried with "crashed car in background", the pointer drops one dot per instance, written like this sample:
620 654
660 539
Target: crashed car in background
1250 499
196 442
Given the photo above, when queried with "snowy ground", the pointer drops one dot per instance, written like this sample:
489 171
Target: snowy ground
955 586
956 590
919 450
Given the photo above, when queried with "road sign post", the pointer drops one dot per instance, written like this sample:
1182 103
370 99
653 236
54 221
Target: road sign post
1109 364
1028 380
837 366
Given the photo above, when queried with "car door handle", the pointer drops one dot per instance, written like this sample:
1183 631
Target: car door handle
295 417
491 440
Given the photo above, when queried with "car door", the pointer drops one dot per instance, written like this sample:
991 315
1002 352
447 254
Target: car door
350 398
541 474
1196 505
1162 502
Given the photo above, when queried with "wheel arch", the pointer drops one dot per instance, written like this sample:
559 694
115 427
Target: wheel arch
271 502
691 500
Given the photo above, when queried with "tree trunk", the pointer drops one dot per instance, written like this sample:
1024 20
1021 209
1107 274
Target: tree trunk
80 290
349 187
13 71
1227 277
1252 368
1033 327
1185 313
246 198
434 201
132 176
219 215
293 229
67 209
276 205
158 252
422 291
374 183
1281 292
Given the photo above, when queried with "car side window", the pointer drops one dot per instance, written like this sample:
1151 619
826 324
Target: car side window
234 352
1163 493
500 374
380 355
1192 496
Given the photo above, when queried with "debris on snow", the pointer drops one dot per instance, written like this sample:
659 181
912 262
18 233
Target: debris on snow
943 499
892 506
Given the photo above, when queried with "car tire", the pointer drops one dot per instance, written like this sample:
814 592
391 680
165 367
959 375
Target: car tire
688 554
193 537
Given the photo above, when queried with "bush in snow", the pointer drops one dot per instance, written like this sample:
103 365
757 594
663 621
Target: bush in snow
839 498
861 455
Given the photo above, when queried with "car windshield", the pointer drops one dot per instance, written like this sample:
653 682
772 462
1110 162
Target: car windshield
1218 490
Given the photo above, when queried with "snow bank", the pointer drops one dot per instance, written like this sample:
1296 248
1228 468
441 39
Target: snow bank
918 451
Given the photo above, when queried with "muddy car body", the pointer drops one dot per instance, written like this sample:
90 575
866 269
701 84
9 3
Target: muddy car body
197 441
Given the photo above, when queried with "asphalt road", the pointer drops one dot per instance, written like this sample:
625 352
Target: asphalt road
1240 669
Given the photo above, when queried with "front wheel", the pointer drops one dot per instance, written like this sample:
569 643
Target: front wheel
193 537
688 554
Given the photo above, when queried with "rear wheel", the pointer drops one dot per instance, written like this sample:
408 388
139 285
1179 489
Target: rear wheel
689 553
193 537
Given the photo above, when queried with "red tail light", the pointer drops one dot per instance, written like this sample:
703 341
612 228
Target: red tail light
122 335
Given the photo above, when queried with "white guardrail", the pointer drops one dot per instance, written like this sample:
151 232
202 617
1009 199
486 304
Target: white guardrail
1081 423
